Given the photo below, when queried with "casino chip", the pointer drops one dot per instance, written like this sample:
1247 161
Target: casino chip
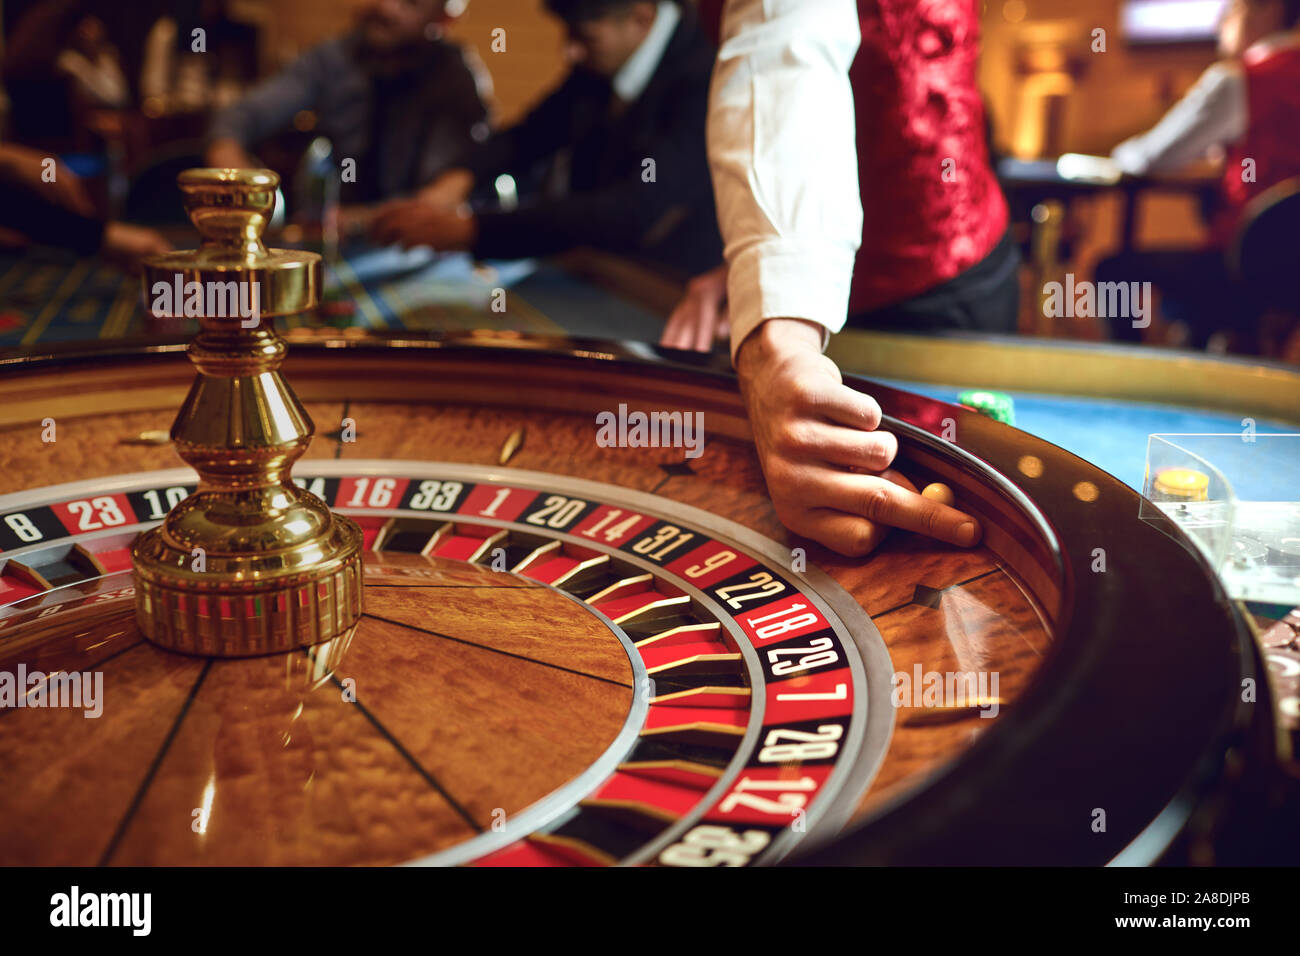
995 405
1180 484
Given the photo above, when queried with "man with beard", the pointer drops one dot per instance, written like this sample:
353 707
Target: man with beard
613 157
392 95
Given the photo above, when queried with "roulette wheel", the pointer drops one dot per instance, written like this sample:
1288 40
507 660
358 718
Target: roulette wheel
569 629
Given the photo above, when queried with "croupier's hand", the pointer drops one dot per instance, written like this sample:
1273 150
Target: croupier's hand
700 318
826 465
411 222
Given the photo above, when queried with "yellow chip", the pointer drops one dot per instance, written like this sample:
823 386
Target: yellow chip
1183 484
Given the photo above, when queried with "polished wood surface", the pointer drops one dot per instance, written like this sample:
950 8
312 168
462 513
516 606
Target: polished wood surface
943 608
444 716
96 446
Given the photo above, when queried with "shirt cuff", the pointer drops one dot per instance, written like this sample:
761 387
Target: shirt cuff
777 279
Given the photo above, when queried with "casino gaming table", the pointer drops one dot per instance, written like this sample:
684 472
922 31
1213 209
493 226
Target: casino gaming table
49 296
472 628
573 654
1029 182
1100 401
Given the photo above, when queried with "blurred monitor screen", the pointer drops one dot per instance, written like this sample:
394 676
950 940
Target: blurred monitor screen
1171 21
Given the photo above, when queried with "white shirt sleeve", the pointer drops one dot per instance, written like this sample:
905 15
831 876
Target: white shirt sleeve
784 160
1212 113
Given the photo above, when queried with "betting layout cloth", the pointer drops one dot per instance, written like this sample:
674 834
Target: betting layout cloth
52 296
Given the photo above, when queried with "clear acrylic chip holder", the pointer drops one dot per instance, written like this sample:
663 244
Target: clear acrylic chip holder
1237 496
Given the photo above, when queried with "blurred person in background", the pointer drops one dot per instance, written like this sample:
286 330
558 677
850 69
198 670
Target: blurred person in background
175 77
93 65
1247 104
619 145
57 212
58 64
393 95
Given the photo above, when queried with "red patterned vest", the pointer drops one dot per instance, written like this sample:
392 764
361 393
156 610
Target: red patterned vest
1272 137
932 206
931 203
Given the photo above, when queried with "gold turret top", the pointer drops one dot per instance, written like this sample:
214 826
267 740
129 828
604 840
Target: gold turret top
231 209
250 563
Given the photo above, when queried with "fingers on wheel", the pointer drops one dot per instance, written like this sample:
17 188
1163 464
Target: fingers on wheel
843 533
853 448
887 501
836 402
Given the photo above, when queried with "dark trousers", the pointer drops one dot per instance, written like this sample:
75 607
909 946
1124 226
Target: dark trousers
1195 289
984 298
